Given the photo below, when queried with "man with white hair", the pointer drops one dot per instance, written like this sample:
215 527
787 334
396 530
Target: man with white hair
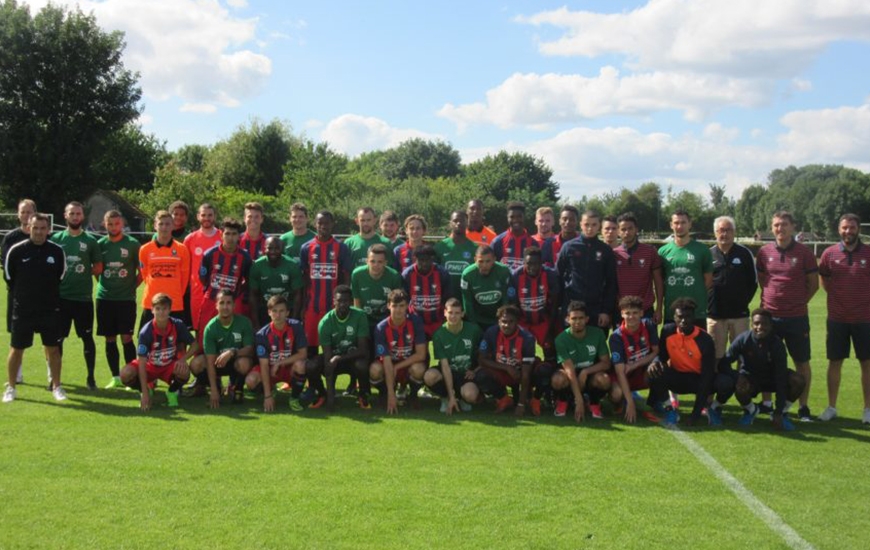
734 286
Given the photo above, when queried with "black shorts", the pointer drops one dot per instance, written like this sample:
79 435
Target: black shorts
115 317
758 384
795 332
47 324
459 380
839 337
79 313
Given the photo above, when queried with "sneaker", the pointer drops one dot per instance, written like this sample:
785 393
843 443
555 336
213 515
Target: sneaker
829 413
92 384
363 401
444 404
296 405
115 383
10 394
172 399
595 410
675 401
59 393
319 401
671 417
239 394
787 425
561 408
866 418
195 390
19 379
714 416
466 407
649 415
503 404
764 409
283 387
535 406
749 415
804 414
351 391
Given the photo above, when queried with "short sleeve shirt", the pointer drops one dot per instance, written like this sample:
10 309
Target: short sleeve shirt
460 349
218 338
82 254
583 352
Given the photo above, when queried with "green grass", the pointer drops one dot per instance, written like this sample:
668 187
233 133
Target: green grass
95 472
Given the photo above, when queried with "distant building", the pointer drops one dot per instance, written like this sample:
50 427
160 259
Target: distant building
101 201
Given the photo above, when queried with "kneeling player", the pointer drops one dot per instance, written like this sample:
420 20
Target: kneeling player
455 344
688 365
400 350
582 352
228 342
161 354
506 358
281 351
634 345
344 337
763 367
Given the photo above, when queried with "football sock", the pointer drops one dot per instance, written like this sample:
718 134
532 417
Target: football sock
129 351
90 351
113 357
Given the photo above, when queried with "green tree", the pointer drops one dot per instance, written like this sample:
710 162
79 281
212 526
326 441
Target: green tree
172 183
745 212
317 176
128 159
419 157
191 157
63 92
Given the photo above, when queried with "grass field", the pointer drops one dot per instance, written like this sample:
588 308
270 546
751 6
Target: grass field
94 472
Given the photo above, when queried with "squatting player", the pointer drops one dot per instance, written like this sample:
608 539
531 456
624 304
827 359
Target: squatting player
506 358
455 344
344 337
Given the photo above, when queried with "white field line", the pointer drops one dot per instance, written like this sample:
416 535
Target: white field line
744 495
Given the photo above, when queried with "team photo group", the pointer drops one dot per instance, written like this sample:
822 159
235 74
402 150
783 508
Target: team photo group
578 315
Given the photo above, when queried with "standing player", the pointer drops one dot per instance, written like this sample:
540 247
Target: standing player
763 367
509 246
428 285
164 266
734 286
477 232
788 276
400 351
253 240
569 221
587 269
281 354
372 283
274 274
584 359
687 266
358 245
638 270
197 243
228 347
26 209
688 365
633 346
116 293
544 221
299 234
344 337
610 231
389 224
180 213
456 252
165 349
84 262
535 289
845 276
34 269
223 267
455 344
506 359
415 229
485 286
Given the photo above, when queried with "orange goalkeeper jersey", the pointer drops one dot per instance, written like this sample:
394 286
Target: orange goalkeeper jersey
164 268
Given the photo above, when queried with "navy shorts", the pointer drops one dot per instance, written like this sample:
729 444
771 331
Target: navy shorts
795 332
839 337
115 317
24 326
79 313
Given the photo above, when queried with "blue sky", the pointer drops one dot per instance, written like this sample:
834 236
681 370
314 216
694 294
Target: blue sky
609 93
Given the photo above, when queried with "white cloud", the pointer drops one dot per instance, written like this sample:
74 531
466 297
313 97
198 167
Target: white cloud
744 38
539 100
237 3
354 134
840 135
190 49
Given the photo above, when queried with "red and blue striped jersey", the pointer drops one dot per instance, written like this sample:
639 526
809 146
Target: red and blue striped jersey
276 345
550 249
399 341
254 247
161 347
536 296
221 270
324 264
509 248
428 292
404 255
513 350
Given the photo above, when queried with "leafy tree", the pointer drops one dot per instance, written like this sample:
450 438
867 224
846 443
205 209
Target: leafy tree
63 92
746 208
191 157
172 183
419 157
128 158
317 176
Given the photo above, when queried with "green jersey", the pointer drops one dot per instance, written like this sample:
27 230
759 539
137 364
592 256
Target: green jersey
683 269
455 257
281 280
583 352
483 295
459 349
372 293
293 243
342 335
359 248
82 254
120 275
217 338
